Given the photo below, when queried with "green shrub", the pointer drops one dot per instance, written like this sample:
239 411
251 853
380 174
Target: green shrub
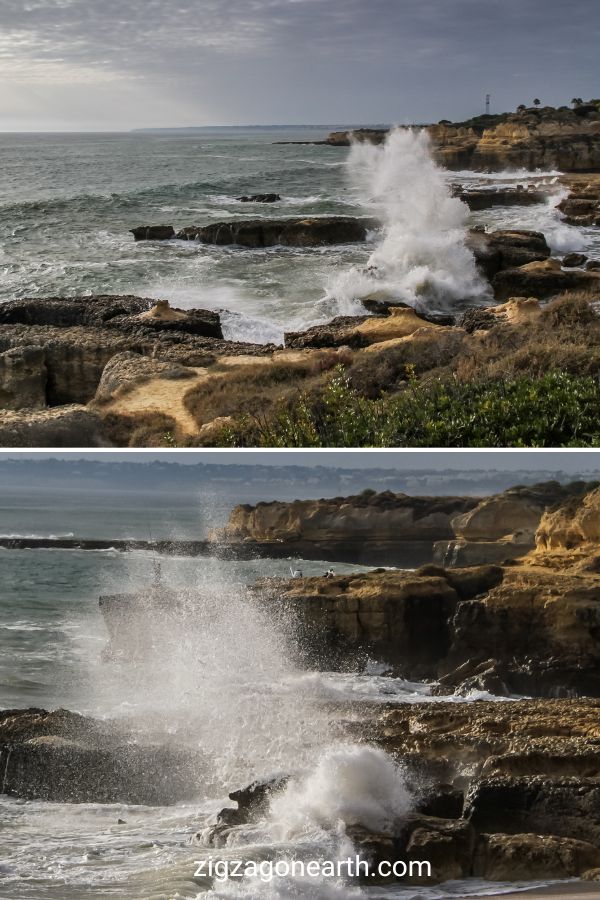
556 410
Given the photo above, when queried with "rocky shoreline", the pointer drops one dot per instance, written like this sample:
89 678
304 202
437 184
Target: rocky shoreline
130 371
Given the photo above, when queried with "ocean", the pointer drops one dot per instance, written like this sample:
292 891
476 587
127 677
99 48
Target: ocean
68 202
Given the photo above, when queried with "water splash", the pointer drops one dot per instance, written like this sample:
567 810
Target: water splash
422 258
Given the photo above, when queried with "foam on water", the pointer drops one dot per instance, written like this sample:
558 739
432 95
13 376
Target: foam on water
422 257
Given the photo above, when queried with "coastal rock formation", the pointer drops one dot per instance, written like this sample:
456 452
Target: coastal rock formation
386 528
153 233
575 524
542 280
259 198
536 820
23 378
529 627
535 138
582 206
313 231
491 197
503 526
64 757
71 425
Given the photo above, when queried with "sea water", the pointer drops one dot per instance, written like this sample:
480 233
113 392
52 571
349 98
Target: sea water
68 202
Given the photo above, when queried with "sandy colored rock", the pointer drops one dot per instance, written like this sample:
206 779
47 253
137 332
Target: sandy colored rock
23 377
575 523
400 322
63 426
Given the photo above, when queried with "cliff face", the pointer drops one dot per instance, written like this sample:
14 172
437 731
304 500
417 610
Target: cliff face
383 516
379 529
529 627
504 526
395 529
574 525
545 138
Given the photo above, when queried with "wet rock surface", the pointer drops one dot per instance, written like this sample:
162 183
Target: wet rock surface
63 757
307 232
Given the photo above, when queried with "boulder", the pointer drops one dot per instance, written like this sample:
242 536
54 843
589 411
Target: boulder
541 280
23 378
153 232
491 197
574 260
64 426
498 250
260 198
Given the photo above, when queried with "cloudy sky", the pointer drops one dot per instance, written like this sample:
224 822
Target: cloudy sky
120 64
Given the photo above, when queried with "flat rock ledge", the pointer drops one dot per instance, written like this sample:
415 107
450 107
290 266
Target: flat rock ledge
311 231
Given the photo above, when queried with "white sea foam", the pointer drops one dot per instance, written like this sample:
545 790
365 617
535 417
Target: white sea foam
348 785
422 258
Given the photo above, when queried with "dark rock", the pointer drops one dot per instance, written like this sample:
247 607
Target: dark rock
307 232
486 199
63 312
254 799
593 265
568 807
64 757
540 283
527 857
499 250
574 260
153 232
260 198
445 802
341 331
127 314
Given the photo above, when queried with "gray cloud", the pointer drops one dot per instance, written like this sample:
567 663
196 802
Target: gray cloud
291 60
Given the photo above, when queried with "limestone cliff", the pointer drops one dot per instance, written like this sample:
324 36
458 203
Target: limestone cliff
504 526
379 529
546 138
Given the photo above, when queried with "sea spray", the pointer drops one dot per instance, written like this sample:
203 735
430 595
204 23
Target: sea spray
217 669
349 784
422 258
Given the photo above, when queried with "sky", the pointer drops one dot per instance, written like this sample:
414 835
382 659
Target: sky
461 460
80 65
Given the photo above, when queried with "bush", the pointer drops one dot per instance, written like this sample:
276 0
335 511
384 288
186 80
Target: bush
555 410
